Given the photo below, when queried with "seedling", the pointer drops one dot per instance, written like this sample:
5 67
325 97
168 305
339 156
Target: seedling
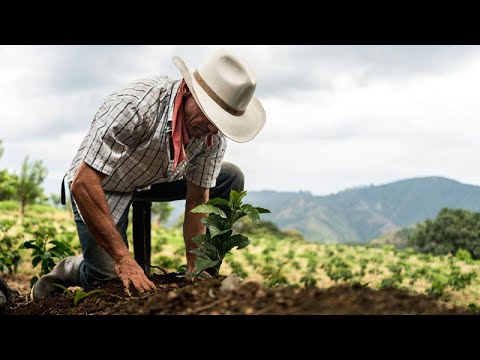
44 251
78 294
222 215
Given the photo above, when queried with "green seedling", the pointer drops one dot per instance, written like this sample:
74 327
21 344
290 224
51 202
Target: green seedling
219 240
78 294
44 251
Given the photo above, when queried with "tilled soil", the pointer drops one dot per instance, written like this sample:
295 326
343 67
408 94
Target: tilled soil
175 296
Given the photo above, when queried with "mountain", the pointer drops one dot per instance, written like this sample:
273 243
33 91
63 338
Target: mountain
360 214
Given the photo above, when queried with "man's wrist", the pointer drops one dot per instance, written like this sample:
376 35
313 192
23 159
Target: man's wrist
121 256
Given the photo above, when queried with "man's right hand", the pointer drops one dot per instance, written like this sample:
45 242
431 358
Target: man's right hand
130 272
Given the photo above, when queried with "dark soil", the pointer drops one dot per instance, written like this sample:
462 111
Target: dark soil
175 296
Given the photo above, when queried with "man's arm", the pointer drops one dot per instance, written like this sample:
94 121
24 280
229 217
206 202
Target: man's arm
90 198
192 226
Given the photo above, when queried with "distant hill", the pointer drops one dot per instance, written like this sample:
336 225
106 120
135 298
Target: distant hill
361 214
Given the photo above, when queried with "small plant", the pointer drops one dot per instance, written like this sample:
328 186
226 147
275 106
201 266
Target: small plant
44 252
308 280
337 269
78 294
9 257
473 308
273 275
464 255
219 240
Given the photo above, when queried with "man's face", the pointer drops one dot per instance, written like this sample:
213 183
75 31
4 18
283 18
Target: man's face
197 124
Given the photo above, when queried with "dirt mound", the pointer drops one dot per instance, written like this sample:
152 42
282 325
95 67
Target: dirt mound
175 296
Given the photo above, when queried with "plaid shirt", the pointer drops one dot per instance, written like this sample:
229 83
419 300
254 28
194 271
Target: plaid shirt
127 141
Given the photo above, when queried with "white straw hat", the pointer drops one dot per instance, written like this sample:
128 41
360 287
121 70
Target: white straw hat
224 89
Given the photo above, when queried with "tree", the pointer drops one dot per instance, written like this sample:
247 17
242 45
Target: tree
8 182
29 181
8 185
162 211
451 230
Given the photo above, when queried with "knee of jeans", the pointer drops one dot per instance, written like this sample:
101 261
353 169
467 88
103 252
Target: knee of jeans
236 176
98 268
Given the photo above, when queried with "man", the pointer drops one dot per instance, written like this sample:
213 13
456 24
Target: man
164 136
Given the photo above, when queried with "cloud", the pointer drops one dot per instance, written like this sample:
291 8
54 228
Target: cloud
337 116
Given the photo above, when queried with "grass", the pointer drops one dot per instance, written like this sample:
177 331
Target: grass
271 260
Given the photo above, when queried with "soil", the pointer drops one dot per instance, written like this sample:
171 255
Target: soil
175 296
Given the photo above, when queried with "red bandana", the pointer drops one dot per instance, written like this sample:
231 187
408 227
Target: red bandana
179 132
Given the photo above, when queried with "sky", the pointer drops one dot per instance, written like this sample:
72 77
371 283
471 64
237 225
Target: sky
337 116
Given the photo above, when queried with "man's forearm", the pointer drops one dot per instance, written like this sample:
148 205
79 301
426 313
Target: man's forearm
192 225
191 228
92 204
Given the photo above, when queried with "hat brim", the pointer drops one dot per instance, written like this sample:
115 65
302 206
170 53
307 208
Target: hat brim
238 128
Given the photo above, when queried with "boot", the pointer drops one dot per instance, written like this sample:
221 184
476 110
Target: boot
66 273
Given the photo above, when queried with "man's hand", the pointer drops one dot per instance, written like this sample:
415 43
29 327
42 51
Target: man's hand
130 272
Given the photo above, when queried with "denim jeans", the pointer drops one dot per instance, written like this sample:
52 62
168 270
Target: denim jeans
98 266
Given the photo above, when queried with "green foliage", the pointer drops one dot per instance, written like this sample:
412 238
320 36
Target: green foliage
219 240
161 211
308 281
337 269
44 251
438 285
9 206
473 308
167 262
9 255
29 181
458 280
274 275
464 255
78 294
8 185
451 230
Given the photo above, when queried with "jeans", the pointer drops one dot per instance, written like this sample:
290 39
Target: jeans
98 266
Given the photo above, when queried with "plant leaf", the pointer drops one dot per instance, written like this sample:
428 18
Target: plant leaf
218 201
236 198
80 295
251 212
203 264
262 210
200 239
215 224
36 260
70 293
237 215
30 245
208 209
239 241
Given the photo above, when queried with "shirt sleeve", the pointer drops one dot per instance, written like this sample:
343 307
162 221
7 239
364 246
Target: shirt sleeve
117 126
208 164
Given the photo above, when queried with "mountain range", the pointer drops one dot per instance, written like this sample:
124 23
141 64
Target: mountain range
358 215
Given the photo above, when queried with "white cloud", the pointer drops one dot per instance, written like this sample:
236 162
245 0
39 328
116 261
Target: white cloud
337 117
